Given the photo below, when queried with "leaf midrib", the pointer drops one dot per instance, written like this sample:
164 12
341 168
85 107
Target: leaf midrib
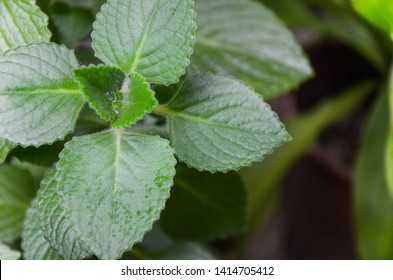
58 91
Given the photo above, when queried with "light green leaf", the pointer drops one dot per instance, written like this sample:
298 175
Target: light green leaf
119 99
21 23
16 191
246 40
73 23
373 205
7 253
34 244
39 101
56 228
113 186
205 206
153 38
5 148
378 12
219 124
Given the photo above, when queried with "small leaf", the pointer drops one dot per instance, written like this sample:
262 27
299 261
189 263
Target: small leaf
205 206
116 98
54 224
74 23
152 38
34 244
5 148
7 253
378 12
113 186
219 124
244 39
21 23
39 101
373 204
16 192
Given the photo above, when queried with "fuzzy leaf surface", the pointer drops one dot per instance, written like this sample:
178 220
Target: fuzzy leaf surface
34 244
205 206
116 98
56 228
153 38
244 39
6 253
21 23
39 101
16 192
113 186
219 124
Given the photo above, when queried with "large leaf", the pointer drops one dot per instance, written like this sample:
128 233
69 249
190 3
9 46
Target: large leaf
153 38
16 191
219 124
21 23
378 12
7 253
5 148
373 205
205 206
54 224
34 244
246 40
119 99
39 101
113 186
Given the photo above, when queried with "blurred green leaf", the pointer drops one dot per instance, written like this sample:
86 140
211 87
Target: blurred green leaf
6 253
244 39
334 20
262 179
205 206
378 12
5 148
73 23
373 205
16 191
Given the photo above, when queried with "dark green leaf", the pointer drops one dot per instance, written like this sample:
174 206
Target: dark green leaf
205 206
16 191
119 99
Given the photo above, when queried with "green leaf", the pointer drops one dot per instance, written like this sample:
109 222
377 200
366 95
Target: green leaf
21 23
39 101
34 244
16 192
246 40
219 124
152 38
7 253
373 205
56 228
157 245
5 148
389 142
113 186
43 156
205 206
116 98
73 23
378 12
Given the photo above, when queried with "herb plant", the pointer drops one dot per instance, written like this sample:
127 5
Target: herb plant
113 167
